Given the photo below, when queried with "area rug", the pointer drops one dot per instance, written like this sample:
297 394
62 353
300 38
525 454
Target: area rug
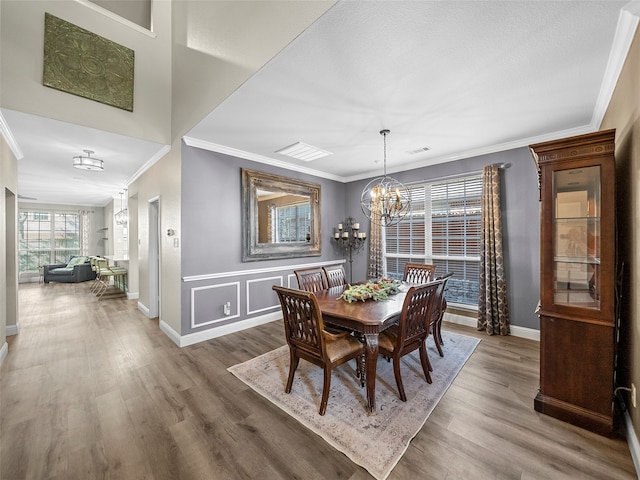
375 442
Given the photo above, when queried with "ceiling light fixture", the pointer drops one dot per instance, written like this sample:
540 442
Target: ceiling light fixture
385 200
88 162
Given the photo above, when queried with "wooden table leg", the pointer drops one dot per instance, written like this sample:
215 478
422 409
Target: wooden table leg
371 347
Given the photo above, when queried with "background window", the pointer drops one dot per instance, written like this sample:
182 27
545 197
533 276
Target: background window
47 238
293 223
443 229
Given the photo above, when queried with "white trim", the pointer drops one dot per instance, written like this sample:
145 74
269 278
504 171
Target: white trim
256 271
133 295
632 440
12 329
4 351
117 18
625 31
143 309
193 338
219 319
290 282
516 331
251 312
10 139
234 152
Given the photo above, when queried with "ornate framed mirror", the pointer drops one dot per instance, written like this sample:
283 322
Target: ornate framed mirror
281 217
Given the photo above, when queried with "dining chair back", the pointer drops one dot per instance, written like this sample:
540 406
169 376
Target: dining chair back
311 279
308 339
418 273
411 331
335 276
437 313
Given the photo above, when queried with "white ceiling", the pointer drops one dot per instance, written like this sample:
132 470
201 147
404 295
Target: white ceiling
460 77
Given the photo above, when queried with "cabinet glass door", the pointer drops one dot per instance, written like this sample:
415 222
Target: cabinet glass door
576 194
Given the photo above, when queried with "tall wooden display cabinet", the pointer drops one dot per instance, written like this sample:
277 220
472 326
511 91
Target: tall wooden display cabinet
577 282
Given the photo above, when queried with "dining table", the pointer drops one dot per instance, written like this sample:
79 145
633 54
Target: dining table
368 319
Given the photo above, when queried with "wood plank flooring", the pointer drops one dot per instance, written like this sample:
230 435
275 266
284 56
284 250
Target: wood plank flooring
94 390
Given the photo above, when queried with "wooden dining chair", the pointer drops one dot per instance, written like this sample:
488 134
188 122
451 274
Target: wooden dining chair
437 312
311 279
418 273
411 331
308 339
335 276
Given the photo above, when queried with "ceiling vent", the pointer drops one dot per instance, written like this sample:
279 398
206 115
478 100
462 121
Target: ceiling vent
302 151
419 150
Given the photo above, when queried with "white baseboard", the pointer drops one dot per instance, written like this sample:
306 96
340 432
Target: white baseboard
193 338
143 309
133 295
13 329
516 331
3 352
632 441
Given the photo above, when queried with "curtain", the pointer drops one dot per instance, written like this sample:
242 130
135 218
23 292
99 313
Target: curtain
493 311
85 226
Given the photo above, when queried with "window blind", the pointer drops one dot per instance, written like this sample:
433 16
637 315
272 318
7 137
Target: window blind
443 229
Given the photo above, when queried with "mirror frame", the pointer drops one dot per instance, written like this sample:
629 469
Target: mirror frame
253 180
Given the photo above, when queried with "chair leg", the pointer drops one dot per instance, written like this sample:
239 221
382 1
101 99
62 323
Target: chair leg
438 337
396 372
361 367
293 364
325 390
426 364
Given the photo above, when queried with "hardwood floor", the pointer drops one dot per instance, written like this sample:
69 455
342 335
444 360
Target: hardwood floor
93 389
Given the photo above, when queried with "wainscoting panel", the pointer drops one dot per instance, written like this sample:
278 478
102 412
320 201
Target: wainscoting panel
208 303
260 295
219 303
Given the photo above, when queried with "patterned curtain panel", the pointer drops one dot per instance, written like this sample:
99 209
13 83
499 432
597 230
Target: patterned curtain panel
85 225
493 311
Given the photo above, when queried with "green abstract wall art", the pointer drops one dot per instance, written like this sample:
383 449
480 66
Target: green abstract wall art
80 62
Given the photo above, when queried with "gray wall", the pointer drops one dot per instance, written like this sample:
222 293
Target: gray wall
211 235
521 223
212 242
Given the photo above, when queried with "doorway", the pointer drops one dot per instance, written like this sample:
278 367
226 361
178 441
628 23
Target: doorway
11 263
154 257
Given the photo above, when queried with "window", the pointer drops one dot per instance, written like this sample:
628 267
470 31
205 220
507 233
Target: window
443 229
47 238
292 223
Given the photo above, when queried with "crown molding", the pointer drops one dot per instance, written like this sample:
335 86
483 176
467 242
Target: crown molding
10 139
214 147
488 150
625 31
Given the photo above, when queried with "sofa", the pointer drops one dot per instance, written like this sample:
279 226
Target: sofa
78 269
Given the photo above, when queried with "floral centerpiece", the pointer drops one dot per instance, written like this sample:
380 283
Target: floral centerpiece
376 290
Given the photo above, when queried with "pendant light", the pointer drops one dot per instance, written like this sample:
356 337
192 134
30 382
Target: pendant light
385 200
122 217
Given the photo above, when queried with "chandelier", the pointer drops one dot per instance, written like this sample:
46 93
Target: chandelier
88 162
385 200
